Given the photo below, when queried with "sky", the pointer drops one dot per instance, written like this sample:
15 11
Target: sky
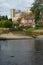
6 5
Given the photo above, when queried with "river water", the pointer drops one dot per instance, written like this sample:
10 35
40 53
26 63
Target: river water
21 52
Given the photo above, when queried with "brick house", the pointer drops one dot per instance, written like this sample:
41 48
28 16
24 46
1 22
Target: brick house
28 21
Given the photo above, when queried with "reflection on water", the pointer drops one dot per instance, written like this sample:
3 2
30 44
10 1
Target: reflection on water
38 56
37 59
21 52
37 45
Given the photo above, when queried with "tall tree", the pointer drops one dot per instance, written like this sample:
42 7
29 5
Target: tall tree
36 9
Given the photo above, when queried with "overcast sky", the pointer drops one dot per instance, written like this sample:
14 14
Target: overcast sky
6 5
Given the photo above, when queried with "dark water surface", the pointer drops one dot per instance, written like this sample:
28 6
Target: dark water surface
21 52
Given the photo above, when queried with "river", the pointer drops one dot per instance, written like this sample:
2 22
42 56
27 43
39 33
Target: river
21 52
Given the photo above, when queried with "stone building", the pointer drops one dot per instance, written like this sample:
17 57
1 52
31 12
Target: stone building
14 14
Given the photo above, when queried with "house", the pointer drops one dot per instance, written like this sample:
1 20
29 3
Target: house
14 14
28 21
21 17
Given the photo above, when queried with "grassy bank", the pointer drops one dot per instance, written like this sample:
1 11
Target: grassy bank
30 32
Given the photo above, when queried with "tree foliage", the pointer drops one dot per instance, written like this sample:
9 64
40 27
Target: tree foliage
37 9
30 14
5 22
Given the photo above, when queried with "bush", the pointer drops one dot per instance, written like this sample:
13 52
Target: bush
6 24
0 24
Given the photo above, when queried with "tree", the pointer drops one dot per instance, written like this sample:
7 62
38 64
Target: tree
30 14
5 22
36 9
4 18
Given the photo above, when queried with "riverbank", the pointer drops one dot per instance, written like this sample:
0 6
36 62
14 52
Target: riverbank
8 35
40 37
13 36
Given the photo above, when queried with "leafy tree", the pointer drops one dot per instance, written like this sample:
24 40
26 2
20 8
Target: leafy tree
4 18
36 9
5 22
30 14
0 24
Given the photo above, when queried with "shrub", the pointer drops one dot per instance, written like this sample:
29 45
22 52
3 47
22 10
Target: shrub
5 23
